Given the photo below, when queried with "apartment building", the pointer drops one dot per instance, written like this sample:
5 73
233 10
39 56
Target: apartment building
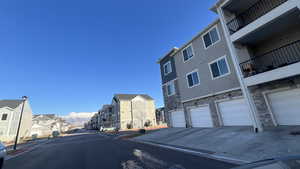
128 111
170 88
133 111
106 117
264 40
202 89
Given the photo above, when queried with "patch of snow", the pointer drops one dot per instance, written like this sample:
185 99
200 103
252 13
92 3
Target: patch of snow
78 118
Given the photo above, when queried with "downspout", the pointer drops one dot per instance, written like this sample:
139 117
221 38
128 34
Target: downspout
256 123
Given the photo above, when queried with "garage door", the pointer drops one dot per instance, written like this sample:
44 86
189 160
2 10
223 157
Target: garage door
178 119
235 113
286 107
201 117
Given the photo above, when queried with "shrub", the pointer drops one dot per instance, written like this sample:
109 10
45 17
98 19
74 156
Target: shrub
142 131
147 123
129 126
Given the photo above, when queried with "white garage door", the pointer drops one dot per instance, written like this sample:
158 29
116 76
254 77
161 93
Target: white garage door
235 113
178 119
201 117
286 106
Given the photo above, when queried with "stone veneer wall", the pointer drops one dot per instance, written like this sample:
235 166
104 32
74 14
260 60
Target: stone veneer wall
213 107
257 93
171 102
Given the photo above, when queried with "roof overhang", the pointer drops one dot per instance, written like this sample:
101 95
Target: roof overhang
170 53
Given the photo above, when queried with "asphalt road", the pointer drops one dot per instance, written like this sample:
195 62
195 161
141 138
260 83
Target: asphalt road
94 151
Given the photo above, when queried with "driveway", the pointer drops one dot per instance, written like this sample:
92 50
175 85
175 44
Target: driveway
239 143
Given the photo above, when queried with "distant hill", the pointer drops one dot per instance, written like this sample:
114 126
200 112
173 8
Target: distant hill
78 119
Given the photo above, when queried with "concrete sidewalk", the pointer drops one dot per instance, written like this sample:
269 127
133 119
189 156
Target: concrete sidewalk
239 143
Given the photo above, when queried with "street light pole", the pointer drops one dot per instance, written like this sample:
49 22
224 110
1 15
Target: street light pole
24 98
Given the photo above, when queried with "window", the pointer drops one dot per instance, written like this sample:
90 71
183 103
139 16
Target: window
171 89
193 79
219 68
167 68
187 53
4 117
211 37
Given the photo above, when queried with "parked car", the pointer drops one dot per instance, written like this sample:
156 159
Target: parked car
289 162
2 154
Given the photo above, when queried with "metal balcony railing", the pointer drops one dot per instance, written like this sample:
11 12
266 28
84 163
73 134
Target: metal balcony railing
274 59
251 14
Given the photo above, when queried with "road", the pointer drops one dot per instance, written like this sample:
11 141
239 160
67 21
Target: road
98 151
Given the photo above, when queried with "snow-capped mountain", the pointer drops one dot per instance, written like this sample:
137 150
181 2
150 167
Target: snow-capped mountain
78 118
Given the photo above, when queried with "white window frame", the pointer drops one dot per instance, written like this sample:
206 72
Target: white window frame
168 62
169 83
214 61
190 45
207 33
187 79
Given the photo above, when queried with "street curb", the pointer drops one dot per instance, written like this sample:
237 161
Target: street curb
26 151
210 155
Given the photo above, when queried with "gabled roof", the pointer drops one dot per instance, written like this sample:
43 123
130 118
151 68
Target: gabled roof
44 117
132 96
10 103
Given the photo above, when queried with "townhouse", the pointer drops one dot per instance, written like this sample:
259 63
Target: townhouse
128 111
43 125
264 40
10 112
202 87
106 118
133 111
242 70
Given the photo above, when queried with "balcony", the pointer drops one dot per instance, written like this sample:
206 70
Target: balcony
277 58
252 13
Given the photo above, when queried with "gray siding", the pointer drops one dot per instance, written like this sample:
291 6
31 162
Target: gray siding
201 62
172 75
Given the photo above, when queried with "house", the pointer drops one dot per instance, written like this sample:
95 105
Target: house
45 124
133 111
200 85
264 41
10 111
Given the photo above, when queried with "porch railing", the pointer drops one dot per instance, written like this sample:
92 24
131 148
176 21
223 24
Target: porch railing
283 56
251 14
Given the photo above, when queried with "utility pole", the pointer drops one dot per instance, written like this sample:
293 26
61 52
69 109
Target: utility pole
131 114
24 98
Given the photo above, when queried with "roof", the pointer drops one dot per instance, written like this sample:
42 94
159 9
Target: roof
44 116
10 103
170 53
216 5
132 96
174 51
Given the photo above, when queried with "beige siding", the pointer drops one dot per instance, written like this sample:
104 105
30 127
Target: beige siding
142 111
125 113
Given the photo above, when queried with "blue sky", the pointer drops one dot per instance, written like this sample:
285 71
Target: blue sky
73 55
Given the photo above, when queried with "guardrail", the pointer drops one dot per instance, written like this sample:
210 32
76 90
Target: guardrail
251 14
283 56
